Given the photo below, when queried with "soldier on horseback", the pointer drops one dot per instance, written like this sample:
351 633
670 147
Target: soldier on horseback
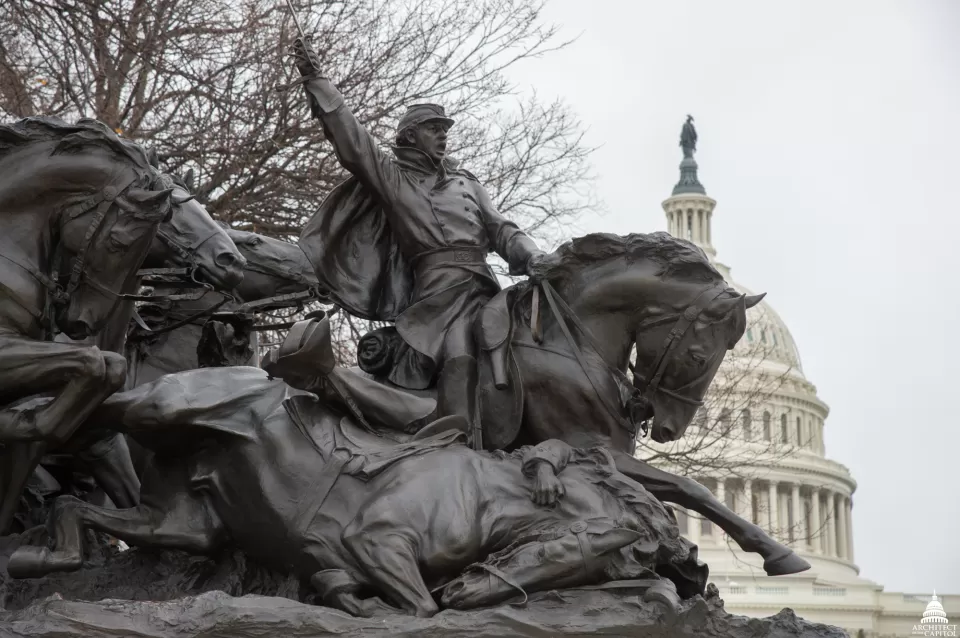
406 239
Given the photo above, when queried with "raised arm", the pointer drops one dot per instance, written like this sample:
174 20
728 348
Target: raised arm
511 243
357 150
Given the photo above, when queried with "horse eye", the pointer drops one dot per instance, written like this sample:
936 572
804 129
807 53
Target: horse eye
541 552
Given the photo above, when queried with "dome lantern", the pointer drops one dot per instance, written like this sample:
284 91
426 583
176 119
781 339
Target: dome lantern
689 211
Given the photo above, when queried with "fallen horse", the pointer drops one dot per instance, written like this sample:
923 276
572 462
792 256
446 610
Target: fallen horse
301 487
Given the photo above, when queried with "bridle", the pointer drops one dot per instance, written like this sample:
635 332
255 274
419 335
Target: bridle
649 384
100 203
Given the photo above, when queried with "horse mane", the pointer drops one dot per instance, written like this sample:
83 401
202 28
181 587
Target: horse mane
72 138
677 258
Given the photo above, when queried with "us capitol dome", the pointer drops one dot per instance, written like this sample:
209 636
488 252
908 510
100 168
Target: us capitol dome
771 466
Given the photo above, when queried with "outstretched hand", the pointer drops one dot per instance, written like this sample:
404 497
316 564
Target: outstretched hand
308 63
547 489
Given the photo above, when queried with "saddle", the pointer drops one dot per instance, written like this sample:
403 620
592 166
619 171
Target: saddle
306 355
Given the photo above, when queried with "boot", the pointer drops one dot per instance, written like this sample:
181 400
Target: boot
456 399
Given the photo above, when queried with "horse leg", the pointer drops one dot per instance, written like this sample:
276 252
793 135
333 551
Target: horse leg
779 560
108 459
86 375
575 559
390 560
182 522
339 589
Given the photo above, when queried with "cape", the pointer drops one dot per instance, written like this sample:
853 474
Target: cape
356 256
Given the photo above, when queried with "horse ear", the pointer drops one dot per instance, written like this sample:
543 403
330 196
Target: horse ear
613 539
722 307
739 322
753 300
147 203
190 180
153 158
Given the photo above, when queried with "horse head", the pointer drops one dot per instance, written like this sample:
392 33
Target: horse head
191 238
662 296
106 259
82 206
274 267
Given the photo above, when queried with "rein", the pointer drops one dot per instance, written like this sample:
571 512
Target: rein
556 303
101 204
651 382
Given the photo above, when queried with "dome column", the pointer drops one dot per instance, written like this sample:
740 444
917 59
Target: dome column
721 495
773 511
831 549
849 510
816 534
747 509
799 533
842 532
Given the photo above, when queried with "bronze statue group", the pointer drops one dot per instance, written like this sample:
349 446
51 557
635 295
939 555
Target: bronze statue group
483 448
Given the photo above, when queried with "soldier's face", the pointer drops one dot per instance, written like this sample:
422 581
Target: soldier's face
431 138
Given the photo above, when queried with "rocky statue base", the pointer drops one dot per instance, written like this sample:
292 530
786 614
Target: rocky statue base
174 595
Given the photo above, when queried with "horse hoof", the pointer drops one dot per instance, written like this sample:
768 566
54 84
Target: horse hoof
28 562
788 563
34 562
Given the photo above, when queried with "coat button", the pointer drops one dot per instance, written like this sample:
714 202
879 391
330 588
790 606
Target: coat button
578 527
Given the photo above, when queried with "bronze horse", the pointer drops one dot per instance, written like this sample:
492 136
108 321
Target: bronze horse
659 295
82 210
190 240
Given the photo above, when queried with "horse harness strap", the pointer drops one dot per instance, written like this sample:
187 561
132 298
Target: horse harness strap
553 301
689 316
102 202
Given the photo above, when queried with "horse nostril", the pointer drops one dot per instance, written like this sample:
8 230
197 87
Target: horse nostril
228 260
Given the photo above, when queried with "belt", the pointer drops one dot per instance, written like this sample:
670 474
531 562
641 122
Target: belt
460 256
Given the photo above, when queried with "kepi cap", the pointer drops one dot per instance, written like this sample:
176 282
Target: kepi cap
420 113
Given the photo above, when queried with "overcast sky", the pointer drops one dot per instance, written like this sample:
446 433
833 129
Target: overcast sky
829 138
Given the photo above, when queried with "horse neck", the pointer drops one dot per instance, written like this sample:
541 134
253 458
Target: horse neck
113 336
612 301
27 210
610 329
257 285
267 277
